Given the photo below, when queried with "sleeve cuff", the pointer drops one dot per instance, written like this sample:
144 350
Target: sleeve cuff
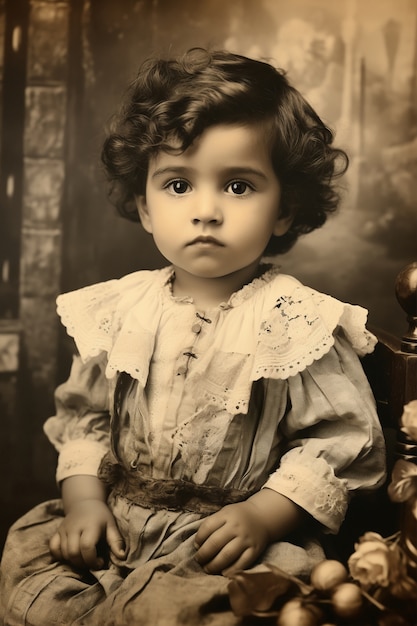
79 456
313 487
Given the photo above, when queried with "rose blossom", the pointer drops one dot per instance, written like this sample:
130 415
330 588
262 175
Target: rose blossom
375 563
409 419
403 485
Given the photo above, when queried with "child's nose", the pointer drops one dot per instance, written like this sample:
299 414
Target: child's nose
207 209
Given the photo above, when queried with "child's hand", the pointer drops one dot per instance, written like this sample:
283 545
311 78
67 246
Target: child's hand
231 539
86 523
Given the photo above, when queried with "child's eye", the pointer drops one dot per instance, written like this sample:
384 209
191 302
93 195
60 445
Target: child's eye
177 186
239 188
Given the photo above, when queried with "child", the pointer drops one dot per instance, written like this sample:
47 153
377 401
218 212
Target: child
217 416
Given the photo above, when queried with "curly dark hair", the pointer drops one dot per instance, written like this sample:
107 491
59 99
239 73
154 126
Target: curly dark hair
179 98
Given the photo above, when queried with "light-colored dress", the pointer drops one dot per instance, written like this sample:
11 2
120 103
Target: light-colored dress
265 390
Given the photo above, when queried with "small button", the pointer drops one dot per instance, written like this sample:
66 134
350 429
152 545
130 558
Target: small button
196 328
182 370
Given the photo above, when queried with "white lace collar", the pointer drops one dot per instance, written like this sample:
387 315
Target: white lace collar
279 328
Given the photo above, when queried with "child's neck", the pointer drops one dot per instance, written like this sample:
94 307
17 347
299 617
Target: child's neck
208 293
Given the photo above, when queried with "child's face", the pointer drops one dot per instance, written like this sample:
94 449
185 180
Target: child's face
213 208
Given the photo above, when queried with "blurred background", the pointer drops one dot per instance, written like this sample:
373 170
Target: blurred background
63 67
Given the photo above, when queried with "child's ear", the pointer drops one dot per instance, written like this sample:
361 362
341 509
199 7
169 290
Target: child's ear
282 225
143 213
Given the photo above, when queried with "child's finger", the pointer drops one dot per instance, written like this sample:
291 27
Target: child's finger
55 547
207 528
88 549
245 560
214 544
226 557
63 545
77 550
115 540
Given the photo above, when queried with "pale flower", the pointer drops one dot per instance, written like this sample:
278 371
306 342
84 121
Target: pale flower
409 419
403 484
375 562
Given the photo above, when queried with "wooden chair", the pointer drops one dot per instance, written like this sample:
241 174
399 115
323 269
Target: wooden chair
392 372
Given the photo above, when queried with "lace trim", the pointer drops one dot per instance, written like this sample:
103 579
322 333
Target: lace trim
119 317
296 328
268 273
247 291
313 486
300 330
79 456
88 317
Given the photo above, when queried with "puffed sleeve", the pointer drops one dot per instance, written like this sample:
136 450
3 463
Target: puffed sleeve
336 444
80 429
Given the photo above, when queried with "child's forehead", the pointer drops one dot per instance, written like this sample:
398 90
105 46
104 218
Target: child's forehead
218 148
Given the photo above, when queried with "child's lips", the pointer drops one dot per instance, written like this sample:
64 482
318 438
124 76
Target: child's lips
205 240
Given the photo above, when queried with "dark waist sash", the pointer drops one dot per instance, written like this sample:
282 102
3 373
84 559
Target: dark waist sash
172 494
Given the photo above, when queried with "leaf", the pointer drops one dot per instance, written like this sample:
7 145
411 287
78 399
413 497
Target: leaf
256 591
302 586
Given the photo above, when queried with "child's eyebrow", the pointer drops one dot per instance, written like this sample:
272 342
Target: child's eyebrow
173 170
241 170
180 170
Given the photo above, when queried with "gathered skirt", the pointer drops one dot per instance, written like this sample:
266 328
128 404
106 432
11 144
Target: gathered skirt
158 584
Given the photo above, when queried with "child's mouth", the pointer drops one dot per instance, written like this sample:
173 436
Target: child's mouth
205 241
